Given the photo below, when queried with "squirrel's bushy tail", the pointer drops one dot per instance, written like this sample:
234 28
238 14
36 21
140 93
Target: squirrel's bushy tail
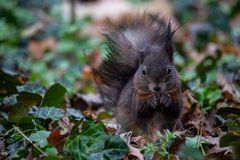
125 43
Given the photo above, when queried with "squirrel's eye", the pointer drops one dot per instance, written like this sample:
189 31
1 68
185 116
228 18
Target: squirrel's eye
144 71
169 70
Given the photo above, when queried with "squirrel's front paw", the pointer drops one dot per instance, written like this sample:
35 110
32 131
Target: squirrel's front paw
153 102
165 100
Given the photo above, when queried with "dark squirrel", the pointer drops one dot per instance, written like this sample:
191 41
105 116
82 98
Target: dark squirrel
139 77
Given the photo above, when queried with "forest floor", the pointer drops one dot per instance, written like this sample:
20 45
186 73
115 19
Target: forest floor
49 105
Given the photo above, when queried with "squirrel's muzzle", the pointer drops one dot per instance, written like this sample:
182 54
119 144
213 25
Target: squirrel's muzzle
157 88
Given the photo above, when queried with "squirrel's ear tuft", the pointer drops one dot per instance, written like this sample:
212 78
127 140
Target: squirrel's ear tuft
143 53
168 41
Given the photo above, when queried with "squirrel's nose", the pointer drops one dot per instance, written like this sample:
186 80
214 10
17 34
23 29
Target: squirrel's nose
157 89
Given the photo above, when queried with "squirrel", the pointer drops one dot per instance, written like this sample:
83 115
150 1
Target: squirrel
138 75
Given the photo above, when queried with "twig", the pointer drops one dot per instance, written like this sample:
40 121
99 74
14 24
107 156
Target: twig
199 134
39 149
199 137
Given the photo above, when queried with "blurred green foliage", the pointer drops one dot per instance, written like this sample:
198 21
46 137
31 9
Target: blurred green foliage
36 110
72 45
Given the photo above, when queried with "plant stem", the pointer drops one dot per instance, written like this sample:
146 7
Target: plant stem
19 131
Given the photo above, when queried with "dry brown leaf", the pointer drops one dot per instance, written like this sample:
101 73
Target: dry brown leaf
86 75
178 141
219 155
188 100
134 152
229 90
211 140
139 141
86 101
78 102
191 110
93 62
37 48
94 59
57 140
66 125
112 127
90 114
134 143
126 136
192 117
22 80
216 152
229 48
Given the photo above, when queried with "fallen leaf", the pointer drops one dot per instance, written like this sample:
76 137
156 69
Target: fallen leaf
89 114
112 128
93 100
57 140
135 152
94 59
229 90
177 142
229 48
66 125
139 141
188 100
38 48
191 111
77 102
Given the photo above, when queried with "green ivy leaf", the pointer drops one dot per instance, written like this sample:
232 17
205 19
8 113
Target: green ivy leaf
29 99
27 122
52 153
54 95
46 113
114 148
230 139
9 100
187 152
90 140
93 129
32 88
102 147
208 95
233 124
214 96
14 147
192 142
81 146
40 138
93 143
9 80
16 113
74 113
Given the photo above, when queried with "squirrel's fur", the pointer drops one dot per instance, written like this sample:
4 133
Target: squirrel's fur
145 42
